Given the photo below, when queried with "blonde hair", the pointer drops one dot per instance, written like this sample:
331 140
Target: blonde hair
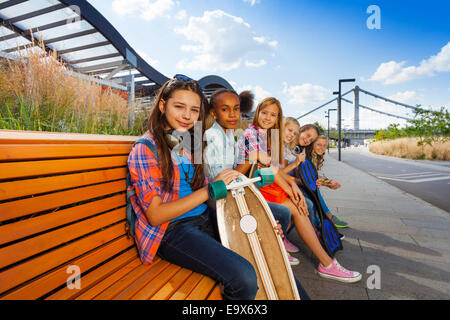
291 121
318 159
278 126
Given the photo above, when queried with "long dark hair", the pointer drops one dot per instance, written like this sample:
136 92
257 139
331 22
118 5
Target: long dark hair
157 123
309 148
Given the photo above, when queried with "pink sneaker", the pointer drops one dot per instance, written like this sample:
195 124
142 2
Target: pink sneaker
293 261
337 272
289 246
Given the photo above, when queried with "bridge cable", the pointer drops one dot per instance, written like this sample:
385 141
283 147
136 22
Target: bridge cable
374 110
388 100
323 105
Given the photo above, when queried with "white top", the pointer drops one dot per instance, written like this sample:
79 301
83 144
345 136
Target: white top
220 153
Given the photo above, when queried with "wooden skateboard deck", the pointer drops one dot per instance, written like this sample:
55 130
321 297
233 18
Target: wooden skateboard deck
246 226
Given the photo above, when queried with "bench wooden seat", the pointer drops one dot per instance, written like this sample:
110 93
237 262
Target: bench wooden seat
62 210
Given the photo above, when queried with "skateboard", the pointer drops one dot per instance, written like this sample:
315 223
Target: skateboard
246 226
329 234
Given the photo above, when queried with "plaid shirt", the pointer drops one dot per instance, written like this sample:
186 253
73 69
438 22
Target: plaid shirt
146 176
252 139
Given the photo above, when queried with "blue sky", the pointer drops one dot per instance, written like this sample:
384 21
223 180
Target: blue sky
297 50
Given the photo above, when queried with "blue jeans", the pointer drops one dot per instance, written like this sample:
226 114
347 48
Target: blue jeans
193 243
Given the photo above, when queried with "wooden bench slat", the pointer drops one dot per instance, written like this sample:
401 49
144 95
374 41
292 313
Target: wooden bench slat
21 229
9 170
110 280
215 293
16 189
202 290
187 287
153 286
128 279
27 248
23 207
39 137
56 278
15 152
154 271
169 288
88 281
25 271
53 214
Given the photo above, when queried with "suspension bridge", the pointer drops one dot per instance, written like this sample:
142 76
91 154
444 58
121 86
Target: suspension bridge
356 134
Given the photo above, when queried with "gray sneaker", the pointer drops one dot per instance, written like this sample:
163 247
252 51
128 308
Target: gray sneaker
338 222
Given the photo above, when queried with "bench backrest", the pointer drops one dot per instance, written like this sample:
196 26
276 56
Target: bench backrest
62 204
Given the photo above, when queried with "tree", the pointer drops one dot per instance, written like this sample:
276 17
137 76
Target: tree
431 126
322 129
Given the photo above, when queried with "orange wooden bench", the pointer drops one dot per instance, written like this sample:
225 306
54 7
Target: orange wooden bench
62 211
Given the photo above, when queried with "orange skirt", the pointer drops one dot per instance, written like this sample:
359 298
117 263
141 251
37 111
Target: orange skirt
273 193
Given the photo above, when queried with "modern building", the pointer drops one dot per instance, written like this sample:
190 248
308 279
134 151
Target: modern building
85 41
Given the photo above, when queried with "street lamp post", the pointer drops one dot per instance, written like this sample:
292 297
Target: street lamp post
339 111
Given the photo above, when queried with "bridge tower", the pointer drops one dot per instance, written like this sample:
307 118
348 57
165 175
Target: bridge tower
356 108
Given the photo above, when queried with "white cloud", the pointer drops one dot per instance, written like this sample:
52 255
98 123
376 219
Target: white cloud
393 72
256 64
259 92
252 2
306 94
221 42
147 10
181 15
152 62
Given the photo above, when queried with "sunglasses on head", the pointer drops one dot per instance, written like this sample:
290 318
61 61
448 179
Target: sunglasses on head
183 78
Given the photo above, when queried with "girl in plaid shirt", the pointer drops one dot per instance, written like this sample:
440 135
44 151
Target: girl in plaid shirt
172 218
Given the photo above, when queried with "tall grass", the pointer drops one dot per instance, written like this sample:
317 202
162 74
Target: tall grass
408 148
39 93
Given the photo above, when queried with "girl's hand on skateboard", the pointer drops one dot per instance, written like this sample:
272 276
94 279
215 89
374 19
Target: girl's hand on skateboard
228 176
278 229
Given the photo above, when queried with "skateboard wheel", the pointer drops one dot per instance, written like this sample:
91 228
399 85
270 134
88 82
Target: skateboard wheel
266 176
217 190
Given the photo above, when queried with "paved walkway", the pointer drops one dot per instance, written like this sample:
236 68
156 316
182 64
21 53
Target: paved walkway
407 238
